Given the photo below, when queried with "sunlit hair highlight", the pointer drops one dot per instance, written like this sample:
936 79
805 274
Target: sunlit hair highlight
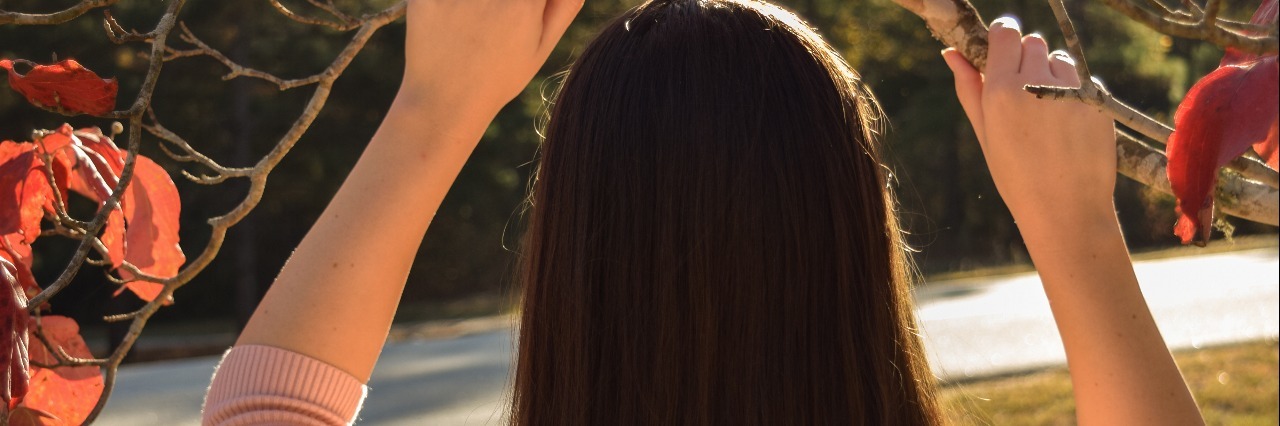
712 237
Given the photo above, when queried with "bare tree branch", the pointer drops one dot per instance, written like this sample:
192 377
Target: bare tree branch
221 173
60 356
160 52
1092 93
54 18
328 6
347 23
236 70
1235 195
1248 167
1206 28
957 23
118 34
257 174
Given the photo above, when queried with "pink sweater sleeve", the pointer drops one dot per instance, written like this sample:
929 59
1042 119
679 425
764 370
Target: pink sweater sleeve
265 385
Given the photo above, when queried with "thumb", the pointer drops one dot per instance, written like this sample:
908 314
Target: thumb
968 88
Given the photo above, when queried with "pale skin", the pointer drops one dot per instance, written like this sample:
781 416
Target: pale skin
465 59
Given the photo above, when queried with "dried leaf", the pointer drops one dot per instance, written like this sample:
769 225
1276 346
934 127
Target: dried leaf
66 87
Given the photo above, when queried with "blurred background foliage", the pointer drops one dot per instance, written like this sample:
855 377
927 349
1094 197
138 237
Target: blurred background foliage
949 204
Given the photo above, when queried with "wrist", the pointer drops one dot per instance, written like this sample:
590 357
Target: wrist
456 100
1057 224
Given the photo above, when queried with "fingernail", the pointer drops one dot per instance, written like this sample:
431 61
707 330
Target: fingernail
1007 21
1063 56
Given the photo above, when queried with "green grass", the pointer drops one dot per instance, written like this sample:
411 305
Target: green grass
1234 385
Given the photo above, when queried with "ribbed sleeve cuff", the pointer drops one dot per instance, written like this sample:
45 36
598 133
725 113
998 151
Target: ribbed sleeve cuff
266 385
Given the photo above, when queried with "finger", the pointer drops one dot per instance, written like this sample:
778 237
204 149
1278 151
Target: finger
1004 47
968 88
1064 68
556 19
1035 57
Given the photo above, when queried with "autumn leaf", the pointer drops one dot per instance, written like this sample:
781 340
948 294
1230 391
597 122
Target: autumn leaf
23 416
66 87
14 376
1226 113
25 195
144 230
65 393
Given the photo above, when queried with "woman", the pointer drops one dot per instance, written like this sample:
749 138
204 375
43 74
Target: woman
711 241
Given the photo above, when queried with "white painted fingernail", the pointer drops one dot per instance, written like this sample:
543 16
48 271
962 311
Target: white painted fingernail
1007 22
1063 56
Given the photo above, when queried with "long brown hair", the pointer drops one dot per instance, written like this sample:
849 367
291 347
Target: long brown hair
712 238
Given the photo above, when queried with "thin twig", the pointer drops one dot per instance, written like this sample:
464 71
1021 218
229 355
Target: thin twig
956 23
60 356
59 206
1207 30
1195 9
328 6
54 18
235 70
118 34
257 176
221 173
1076 49
1119 111
1210 15
343 26
1196 17
1092 93
1247 167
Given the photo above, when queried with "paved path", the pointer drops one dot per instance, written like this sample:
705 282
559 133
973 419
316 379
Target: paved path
973 328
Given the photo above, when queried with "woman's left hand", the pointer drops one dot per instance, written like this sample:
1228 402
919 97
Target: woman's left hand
479 53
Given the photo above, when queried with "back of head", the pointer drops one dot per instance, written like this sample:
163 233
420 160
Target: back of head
712 238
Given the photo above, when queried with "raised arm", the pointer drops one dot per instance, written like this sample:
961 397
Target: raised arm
1055 167
335 298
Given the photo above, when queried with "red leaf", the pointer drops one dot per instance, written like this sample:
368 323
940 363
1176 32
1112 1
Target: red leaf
13 337
67 393
1225 113
144 231
23 416
65 86
25 195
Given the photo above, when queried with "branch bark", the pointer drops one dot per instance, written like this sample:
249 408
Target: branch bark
160 52
957 24
54 18
1206 28
1235 195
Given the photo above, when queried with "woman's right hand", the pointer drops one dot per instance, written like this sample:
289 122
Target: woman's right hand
1052 161
479 53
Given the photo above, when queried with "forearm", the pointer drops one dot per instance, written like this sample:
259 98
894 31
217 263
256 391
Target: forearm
1121 370
335 298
